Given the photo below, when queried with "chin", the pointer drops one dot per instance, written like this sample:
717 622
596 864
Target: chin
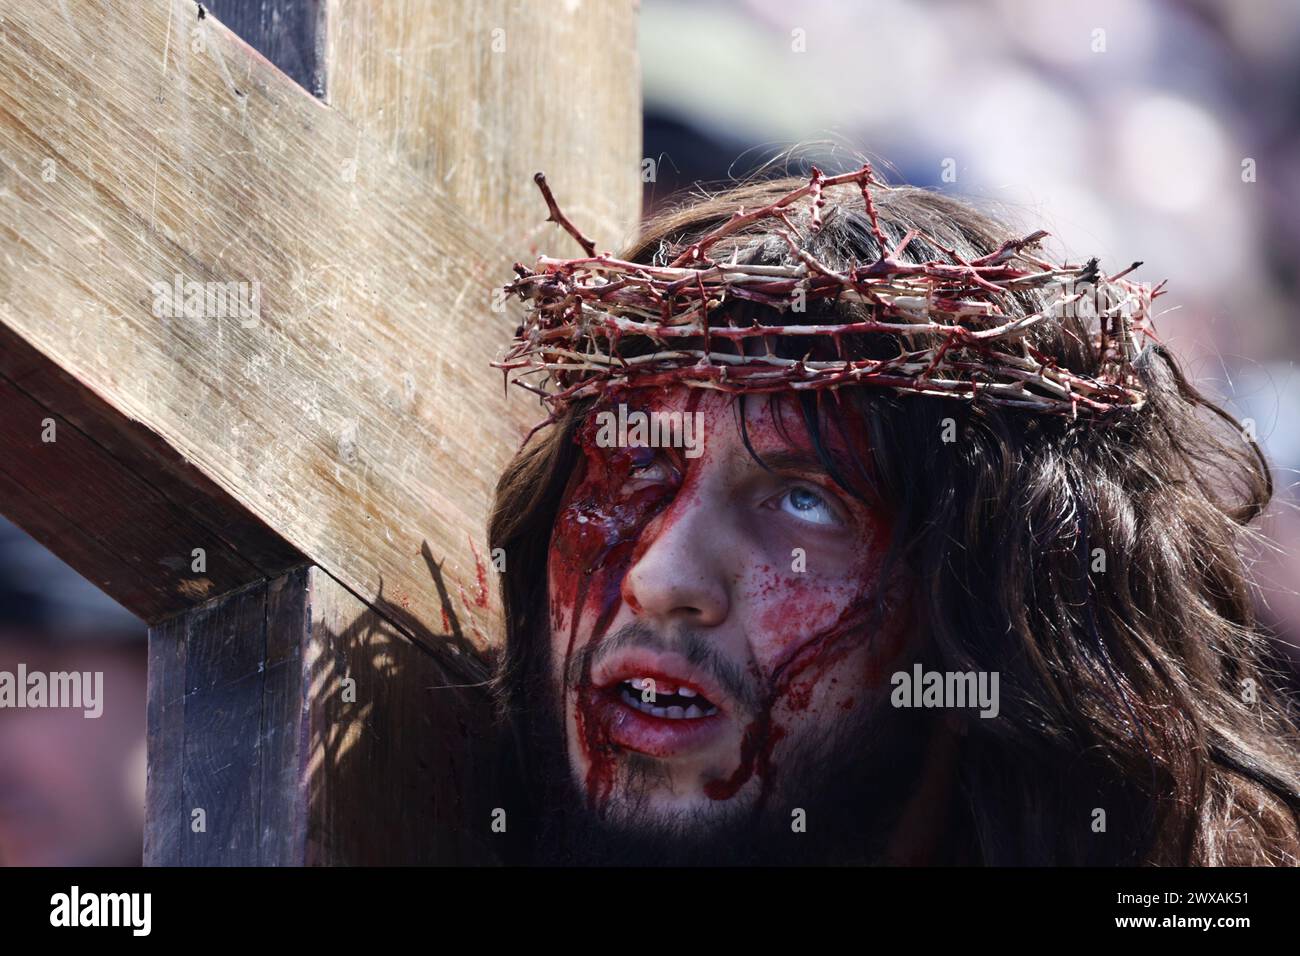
650 792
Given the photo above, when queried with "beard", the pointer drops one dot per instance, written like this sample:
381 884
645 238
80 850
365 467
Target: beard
850 777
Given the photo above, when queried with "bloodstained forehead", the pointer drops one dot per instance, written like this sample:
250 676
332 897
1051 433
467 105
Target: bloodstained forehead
780 431
957 331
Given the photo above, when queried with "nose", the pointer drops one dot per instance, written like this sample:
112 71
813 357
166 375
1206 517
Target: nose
678 574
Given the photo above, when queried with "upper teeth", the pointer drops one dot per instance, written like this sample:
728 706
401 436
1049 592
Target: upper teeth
675 712
648 683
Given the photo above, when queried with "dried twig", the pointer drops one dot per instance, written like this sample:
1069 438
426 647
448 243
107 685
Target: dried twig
560 218
959 330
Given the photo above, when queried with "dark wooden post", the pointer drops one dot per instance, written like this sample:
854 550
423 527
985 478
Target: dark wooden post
289 724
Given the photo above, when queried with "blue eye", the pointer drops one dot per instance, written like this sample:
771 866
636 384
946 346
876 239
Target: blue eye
806 505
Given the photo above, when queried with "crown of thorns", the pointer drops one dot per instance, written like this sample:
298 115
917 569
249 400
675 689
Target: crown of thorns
598 321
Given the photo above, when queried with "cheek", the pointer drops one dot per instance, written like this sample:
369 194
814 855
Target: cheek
573 540
578 570
786 609
830 691
830 675
789 609
821 641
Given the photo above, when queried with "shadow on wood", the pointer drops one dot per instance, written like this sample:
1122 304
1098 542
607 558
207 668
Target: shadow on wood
366 750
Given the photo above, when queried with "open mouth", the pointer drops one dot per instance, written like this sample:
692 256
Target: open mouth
659 705
667 702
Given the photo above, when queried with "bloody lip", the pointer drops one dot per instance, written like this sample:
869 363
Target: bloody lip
654 736
645 733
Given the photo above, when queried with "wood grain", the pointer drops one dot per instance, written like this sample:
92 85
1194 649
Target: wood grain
478 95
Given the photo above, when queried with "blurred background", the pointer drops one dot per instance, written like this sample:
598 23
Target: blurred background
1153 130
71 788
1131 129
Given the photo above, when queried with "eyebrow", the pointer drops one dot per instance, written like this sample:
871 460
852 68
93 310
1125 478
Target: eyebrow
786 459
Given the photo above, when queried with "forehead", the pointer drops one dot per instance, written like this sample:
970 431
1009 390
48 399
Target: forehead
773 423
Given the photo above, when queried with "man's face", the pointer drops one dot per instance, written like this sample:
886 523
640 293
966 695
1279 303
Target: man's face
715 636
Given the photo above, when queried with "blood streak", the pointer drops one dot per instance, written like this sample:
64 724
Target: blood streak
763 733
599 535
593 546
796 676
481 599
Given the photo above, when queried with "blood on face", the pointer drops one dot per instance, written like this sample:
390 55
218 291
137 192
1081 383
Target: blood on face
802 638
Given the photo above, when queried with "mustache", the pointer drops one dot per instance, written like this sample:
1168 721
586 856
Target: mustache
698 650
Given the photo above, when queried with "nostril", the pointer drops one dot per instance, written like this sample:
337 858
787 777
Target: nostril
676 577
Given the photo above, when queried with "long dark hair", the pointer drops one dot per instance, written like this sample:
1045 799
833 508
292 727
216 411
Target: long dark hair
1096 567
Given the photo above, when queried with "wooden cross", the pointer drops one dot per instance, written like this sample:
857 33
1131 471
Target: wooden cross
293 494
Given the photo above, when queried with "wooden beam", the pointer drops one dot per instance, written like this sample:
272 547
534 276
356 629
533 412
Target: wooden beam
116 502
478 95
291 725
354 415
